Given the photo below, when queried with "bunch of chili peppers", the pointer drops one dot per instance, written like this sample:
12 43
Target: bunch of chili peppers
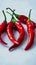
16 24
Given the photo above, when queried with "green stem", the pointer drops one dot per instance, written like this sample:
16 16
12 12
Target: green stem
12 19
29 15
4 15
12 11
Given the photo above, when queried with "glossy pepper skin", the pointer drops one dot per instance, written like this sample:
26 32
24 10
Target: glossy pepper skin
2 29
22 18
3 26
19 28
10 32
21 31
31 33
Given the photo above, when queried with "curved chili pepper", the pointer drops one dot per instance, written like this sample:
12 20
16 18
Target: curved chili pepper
22 18
31 33
19 28
3 28
10 32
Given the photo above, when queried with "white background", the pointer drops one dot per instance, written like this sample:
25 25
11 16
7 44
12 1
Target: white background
18 56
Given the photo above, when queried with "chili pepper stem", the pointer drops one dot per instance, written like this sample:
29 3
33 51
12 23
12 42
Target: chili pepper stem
4 15
12 19
29 15
12 11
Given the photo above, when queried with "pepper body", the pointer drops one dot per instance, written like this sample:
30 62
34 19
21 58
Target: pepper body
21 31
10 32
31 34
22 18
3 29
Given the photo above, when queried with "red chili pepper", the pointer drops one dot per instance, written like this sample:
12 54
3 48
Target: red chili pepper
31 32
2 28
22 18
19 28
10 32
